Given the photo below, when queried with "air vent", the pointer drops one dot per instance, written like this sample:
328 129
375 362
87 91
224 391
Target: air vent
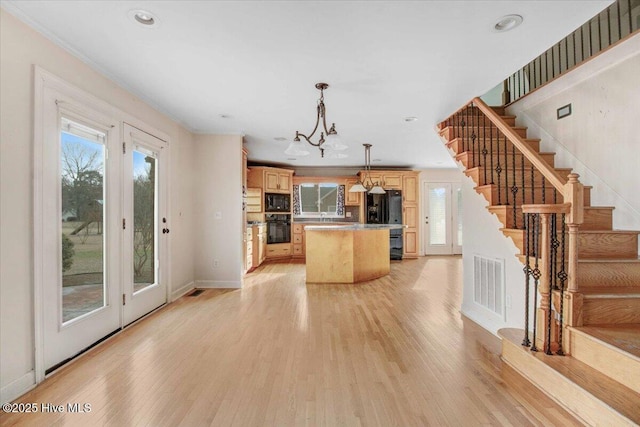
488 283
196 293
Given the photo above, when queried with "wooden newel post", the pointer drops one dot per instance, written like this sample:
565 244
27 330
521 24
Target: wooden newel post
574 194
544 285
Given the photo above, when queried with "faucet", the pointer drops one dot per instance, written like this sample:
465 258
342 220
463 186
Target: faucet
323 215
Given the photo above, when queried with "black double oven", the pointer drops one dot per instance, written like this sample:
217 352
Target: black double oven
277 209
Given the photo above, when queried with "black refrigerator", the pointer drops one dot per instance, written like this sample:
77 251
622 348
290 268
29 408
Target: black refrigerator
387 209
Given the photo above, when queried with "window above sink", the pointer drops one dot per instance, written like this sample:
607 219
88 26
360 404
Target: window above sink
318 200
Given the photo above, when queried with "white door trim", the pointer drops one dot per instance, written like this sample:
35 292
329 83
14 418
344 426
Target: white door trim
79 100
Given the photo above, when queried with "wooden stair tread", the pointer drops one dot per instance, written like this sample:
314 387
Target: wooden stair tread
625 337
612 291
617 396
610 231
620 261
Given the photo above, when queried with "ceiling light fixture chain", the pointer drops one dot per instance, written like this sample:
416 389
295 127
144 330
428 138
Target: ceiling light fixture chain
332 140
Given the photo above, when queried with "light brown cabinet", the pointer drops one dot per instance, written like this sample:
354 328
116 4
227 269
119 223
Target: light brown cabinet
351 199
248 242
270 180
298 241
254 200
392 181
410 189
278 250
277 180
259 245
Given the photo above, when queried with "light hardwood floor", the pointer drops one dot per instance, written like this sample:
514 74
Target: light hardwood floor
391 352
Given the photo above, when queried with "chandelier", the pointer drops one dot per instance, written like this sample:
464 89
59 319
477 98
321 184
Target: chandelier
365 184
329 139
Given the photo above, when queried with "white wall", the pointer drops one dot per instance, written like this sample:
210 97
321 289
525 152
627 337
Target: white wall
599 140
20 49
218 189
482 236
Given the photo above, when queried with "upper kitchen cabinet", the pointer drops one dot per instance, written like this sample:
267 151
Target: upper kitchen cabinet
271 180
351 199
389 180
410 187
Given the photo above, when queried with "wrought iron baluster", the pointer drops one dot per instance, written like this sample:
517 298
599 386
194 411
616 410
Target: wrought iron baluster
474 137
544 191
491 150
522 187
536 276
562 275
498 167
527 277
506 169
514 186
609 26
599 34
484 148
618 16
573 35
552 268
630 18
533 186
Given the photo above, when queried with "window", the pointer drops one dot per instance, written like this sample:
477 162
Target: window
321 199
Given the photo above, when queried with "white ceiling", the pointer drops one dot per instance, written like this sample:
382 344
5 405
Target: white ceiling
257 62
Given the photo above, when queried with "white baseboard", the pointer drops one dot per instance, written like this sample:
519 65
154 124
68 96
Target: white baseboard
218 284
18 387
182 290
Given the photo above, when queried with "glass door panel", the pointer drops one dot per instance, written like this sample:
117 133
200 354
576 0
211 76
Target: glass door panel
144 220
82 261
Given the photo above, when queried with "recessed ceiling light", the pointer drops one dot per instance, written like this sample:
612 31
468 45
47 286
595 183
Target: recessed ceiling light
410 119
145 18
224 116
376 160
291 158
280 138
507 22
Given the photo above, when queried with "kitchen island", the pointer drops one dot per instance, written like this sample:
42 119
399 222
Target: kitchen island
347 253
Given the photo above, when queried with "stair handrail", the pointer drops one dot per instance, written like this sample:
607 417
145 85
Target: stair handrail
548 171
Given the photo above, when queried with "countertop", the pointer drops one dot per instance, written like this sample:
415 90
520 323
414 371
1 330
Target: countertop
356 227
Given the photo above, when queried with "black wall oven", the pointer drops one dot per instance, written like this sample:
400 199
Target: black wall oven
278 228
274 202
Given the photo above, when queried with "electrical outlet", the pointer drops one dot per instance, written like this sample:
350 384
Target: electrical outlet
218 215
216 263
348 214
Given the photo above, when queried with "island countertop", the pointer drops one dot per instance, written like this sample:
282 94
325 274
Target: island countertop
355 227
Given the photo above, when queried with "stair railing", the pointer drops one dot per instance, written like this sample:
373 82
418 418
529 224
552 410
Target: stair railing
504 164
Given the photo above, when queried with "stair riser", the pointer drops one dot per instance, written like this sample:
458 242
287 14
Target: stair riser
478 176
618 365
458 147
452 132
594 219
596 274
470 160
490 193
590 246
600 311
608 246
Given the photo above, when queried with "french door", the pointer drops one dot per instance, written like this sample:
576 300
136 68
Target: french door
144 224
100 227
79 245
443 218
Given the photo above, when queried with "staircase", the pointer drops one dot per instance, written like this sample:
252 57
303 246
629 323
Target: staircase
584 274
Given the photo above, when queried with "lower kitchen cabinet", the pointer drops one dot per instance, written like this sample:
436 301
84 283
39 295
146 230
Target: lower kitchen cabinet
278 250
